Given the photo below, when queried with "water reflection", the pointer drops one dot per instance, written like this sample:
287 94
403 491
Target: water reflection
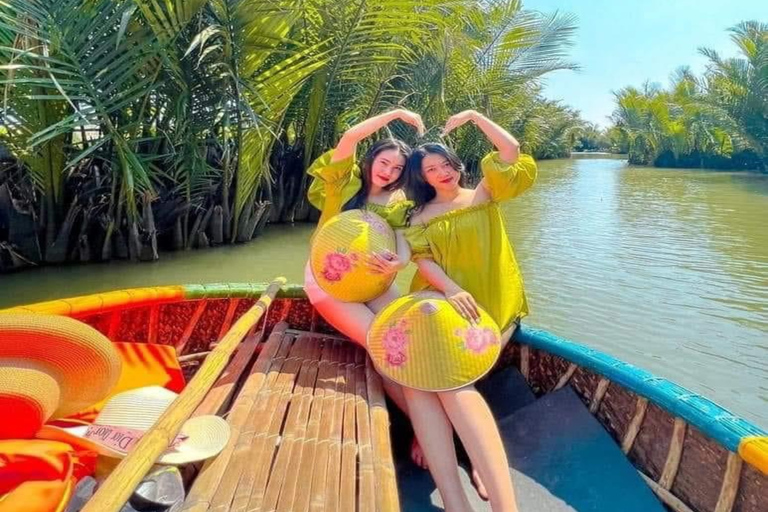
667 269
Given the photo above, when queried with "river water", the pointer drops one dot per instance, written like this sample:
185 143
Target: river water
664 268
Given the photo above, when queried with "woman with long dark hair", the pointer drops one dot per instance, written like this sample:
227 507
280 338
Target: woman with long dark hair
376 185
459 242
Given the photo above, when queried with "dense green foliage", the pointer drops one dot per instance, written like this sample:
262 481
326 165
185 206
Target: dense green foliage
717 120
133 124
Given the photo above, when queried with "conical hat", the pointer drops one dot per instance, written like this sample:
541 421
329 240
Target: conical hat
50 366
421 341
339 252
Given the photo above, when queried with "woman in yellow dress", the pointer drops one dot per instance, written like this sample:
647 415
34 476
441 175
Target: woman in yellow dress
458 240
377 185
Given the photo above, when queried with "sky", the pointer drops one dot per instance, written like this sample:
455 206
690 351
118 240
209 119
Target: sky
626 42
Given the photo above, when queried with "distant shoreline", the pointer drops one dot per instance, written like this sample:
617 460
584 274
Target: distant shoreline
598 154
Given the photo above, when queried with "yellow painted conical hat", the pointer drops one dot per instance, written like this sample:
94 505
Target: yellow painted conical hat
422 342
339 251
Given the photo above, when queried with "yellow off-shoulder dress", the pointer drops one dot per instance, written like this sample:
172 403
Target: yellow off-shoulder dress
472 247
335 183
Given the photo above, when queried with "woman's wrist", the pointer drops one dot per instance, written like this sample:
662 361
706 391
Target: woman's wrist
452 289
476 117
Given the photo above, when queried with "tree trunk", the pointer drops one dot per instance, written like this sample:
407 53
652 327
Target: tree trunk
278 200
149 245
263 219
22 228
121 246
106 246
201 223
82 250
242 227
57 253
250 227
217 225
178 235
134 242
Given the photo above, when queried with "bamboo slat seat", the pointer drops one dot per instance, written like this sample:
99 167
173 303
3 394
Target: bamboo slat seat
310 432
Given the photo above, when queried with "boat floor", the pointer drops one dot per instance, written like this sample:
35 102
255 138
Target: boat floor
561 458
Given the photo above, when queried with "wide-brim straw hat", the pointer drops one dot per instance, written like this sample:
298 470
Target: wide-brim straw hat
422 342
50 366
340 249
127 416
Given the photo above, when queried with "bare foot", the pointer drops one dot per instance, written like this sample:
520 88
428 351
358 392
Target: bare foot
417 454
479 486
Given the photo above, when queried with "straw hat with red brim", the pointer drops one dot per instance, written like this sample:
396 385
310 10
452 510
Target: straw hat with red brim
127 416
50 366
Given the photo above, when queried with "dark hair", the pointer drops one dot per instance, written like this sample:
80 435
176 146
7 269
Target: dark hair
417 188
359 199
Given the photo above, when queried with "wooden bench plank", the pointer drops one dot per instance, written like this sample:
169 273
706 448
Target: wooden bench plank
318 500
260 456
367 484
298 413
387 499
310 432
219 396
240 466
348 473
207 482
309 457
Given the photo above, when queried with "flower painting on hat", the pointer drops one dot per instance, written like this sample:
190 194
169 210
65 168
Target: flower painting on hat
395 342
477 339
337 264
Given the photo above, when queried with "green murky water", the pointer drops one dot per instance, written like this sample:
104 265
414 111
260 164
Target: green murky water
666 269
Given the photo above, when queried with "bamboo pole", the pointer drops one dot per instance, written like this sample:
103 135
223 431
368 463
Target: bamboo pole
326 371
566 377
674 454
387 497
597 398
116 490
525 361
367 484
181 343
666 496
154 320
641 406
730 488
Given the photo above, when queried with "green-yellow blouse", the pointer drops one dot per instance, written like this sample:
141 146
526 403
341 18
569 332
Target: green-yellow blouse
472 247
336 183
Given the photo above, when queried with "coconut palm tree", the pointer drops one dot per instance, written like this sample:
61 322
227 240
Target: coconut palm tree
739 86
717 119
140 124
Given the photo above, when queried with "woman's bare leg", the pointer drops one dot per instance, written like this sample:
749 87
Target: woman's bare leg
473 421
436 434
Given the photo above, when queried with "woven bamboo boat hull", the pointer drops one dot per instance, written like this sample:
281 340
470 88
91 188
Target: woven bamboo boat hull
695 455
